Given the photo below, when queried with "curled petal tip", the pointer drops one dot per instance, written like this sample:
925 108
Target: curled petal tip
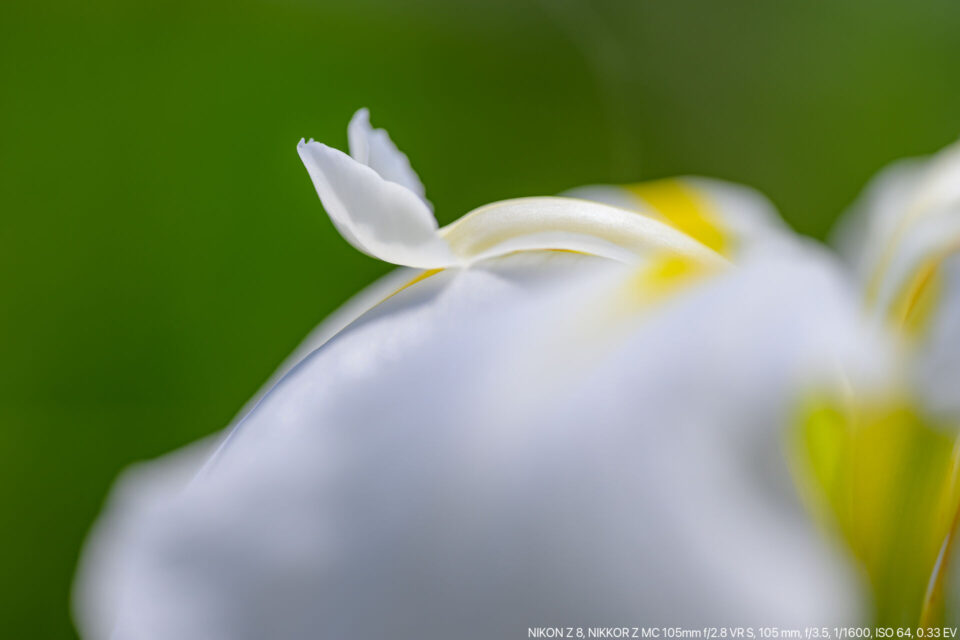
380 218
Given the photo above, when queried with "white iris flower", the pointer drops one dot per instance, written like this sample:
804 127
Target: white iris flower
636 406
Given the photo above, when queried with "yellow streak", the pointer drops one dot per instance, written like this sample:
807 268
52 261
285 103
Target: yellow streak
917 301
419 278
932 610
888 481
664 275
683 207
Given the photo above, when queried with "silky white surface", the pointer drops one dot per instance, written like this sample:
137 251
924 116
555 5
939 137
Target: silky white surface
358 304
401 483
525 224
387 311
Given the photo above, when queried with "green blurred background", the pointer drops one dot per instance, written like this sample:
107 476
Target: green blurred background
162 249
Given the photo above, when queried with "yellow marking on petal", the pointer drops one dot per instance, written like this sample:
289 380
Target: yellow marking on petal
681 205
880 270
916 303
887 480
933 611
886 256
663 275
419 278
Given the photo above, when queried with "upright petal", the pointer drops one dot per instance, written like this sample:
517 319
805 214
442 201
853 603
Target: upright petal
381 218
374 148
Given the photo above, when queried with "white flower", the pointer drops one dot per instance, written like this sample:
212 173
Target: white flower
579 416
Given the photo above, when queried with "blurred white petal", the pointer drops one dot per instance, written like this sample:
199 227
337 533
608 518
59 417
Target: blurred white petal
401 483
903 238
938 361
349 312
528 271
865 232
405 317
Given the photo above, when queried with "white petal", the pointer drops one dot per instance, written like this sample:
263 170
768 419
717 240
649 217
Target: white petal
903 236
111 553
906 194
746 213
406 319
925 242
528 271
727 217
400 484
937 365
374 148
381 218
864 233
351 310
